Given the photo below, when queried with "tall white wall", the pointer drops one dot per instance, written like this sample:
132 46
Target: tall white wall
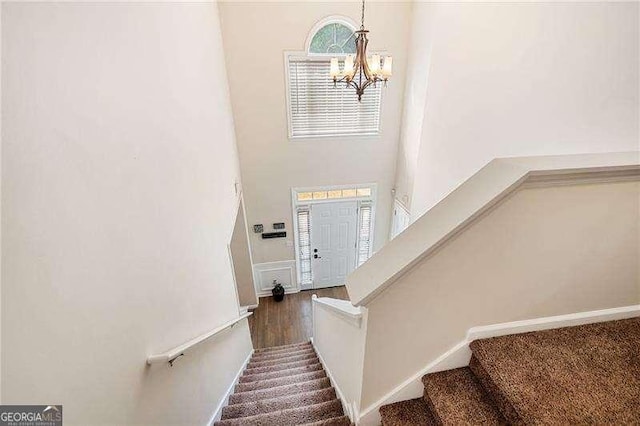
514 79
0 208
118 203
255 38
543 251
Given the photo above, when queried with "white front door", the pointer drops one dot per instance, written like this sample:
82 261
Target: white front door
333 242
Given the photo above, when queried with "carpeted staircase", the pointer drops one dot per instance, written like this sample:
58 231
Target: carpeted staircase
588 374
284 385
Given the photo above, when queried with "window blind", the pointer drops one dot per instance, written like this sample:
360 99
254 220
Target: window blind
304 245
317 108
364 234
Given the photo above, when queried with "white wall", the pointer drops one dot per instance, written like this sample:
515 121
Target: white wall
512 79
242 264
0 208
339 339
415 92
255 38
544 251
118 203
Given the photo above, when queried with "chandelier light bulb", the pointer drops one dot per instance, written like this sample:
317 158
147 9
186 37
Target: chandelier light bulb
334 71
386 69
374 65
348 66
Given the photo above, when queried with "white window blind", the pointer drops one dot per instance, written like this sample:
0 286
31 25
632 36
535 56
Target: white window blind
317 108
364 234
304 245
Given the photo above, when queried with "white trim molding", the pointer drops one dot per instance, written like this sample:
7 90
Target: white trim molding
460 354
284 271
217 414
471 201
343 308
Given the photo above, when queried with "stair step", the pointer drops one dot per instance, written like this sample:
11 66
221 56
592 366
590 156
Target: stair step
291 416
280 367
587 374
281 381
280 355
254 364
274 349
334 421
240 397
247 378
457 397
413 412
503 404
278 403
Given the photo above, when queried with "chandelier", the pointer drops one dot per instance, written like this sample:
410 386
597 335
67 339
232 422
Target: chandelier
360 72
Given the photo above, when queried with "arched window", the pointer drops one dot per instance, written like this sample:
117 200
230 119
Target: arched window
318 107
334 38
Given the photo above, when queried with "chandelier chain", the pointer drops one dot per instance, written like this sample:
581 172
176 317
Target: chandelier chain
362 21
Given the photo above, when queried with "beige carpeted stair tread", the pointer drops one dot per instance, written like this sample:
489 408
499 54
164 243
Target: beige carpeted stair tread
240 397
283 366
334 421
290 417
279 403
287 354
413 412
574 375
456 397
246 378
280 381
281 348
254 364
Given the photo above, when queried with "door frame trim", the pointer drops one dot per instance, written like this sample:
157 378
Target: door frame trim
295 204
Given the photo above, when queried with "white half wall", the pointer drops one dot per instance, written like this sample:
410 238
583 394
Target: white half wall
543 251
118 202
500 79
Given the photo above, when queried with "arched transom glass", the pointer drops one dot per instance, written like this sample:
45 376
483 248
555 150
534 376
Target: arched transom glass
333 38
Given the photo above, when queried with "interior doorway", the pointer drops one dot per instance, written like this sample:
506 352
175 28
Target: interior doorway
333 232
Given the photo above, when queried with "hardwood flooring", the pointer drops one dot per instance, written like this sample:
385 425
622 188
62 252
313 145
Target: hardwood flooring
290 321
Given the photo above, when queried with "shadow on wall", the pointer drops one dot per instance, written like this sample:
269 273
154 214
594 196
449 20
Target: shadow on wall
240 252
182 384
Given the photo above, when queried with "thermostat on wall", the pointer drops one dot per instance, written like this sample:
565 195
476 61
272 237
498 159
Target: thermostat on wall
279 225
258 228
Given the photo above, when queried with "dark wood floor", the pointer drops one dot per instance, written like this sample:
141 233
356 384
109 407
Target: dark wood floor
283 323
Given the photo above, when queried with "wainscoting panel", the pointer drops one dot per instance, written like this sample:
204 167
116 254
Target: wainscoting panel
283 271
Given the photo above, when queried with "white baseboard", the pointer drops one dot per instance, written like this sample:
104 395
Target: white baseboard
249 307
218 413
460 354
346 406
287 291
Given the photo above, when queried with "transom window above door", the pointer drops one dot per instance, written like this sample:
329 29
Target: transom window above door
316 107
